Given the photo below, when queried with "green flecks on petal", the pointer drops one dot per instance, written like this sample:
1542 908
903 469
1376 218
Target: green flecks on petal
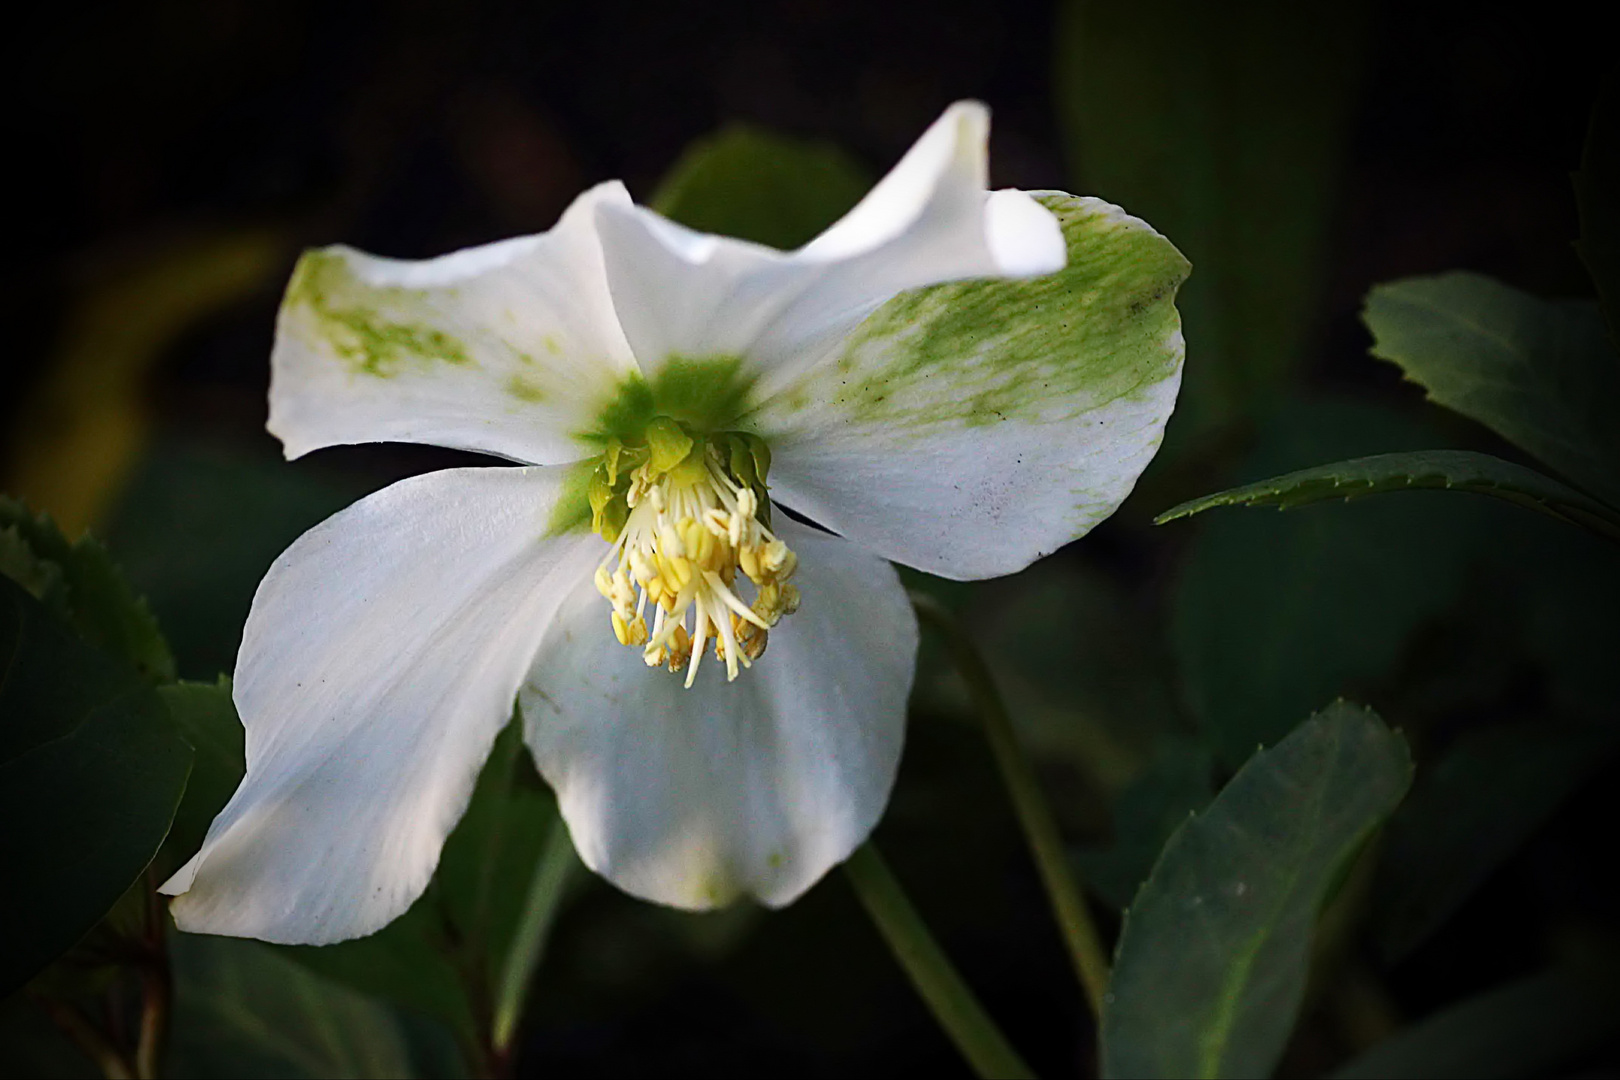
362 323
980 352
705 394
525 388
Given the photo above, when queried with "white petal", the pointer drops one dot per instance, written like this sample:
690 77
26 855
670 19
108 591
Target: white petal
759 786
381 657
970 429
686 294
508 349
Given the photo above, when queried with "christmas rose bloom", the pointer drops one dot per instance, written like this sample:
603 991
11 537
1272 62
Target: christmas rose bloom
668 392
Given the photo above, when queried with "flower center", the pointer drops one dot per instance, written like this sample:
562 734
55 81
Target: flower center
685 514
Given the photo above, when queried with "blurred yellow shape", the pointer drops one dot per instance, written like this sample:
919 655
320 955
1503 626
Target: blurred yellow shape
78 434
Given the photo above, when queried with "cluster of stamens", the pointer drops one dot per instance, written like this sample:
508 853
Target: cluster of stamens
688 520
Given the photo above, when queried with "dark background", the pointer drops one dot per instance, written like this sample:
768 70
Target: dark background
141 134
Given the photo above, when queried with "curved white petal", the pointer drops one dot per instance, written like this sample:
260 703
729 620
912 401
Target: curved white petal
970 429
381 657
759 786
508 349
685 294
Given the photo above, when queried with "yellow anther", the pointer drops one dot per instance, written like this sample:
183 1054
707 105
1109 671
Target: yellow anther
692 537
689 530
751 640
680 649
776 558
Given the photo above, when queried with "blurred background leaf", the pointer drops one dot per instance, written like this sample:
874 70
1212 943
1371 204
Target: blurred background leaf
1225 128
748 182
1085 670
1469 812
1176 783
1274 612
197 527
1532 1027
1597 191
243 1010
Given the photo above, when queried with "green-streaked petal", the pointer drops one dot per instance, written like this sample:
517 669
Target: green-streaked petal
381 657
510 349
969 429
686 294
759 786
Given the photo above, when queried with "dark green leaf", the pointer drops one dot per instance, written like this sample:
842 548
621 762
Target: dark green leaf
80 583
1212 958
1468 814
1535 1027
1275 613
1539 373
1223 126
206 718
91 771
243 1010
1178 781
1458 470
1597 194
761 186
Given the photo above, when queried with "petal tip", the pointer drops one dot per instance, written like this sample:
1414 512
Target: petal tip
1024 237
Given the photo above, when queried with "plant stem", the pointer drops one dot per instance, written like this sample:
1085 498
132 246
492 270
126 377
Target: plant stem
1085 946
546 888
85 1036
157 987
931 973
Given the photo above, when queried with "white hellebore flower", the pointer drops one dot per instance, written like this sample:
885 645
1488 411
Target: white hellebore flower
668 389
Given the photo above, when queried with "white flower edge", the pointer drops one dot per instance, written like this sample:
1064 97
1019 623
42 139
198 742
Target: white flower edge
501 349
380 659
517 348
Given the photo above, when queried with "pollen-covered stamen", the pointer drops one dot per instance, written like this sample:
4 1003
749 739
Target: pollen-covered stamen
686 530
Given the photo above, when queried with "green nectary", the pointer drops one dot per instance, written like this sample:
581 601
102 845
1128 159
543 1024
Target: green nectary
707 394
